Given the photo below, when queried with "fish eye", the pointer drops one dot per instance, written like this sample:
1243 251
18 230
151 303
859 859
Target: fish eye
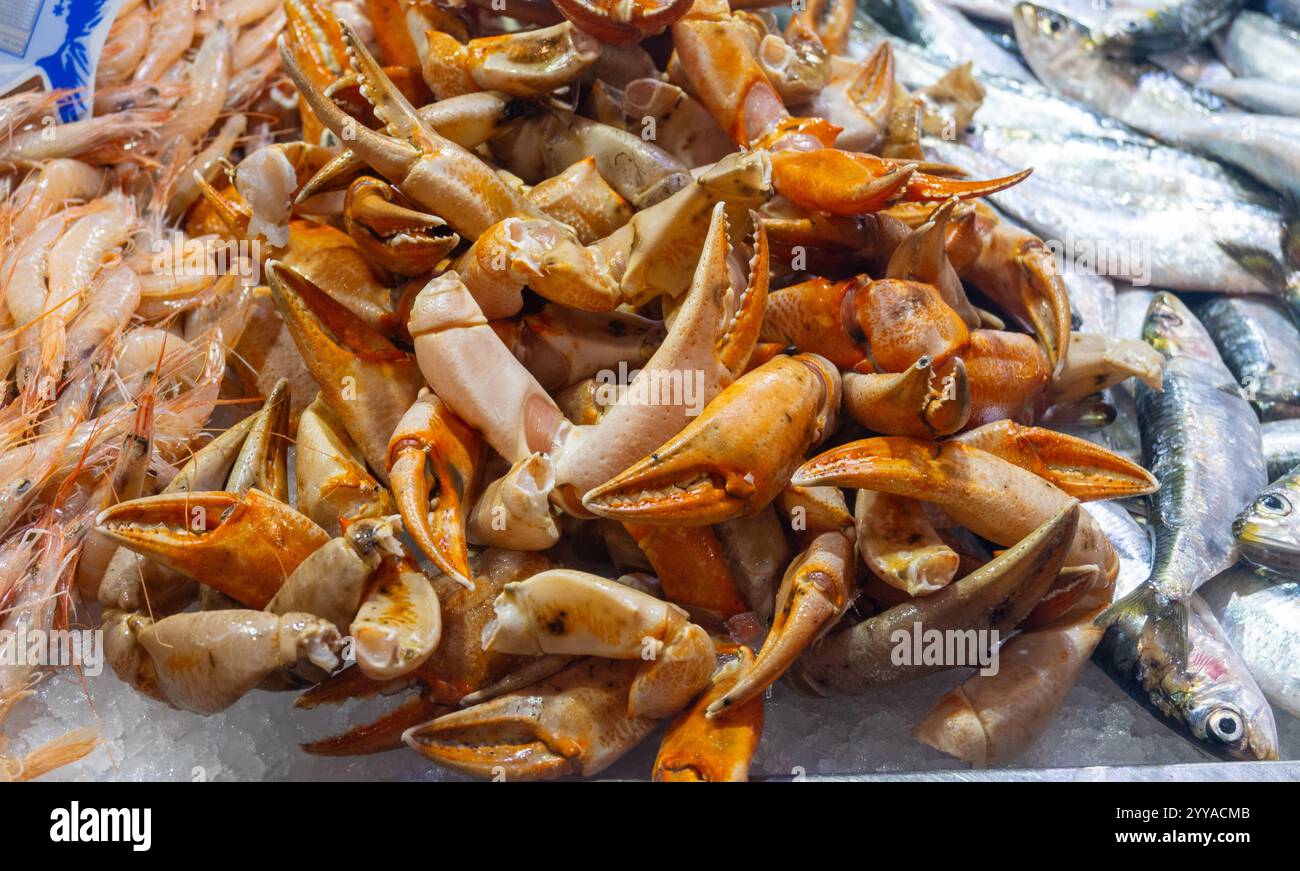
1275 503
1226 726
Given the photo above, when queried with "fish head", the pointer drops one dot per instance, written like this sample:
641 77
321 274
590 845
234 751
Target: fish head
1232 721
1268 530
1047 36
1172 329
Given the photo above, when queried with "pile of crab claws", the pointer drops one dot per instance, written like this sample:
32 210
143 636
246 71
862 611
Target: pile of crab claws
1084 470
241 545
734 458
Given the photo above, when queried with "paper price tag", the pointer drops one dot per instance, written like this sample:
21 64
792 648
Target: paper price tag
54 44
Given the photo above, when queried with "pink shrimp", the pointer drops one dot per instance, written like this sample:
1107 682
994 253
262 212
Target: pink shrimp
170 34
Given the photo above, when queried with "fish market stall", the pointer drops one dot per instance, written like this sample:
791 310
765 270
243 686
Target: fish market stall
688 390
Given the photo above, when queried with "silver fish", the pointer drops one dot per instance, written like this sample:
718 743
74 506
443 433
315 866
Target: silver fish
1208 695
1130 540
1129 172
1168 243
1064 56
1281 446
1268 529
1286 11
1257 46
1173 25
1201 441
1260 614
1259 95
1261 345
1131 306
946 32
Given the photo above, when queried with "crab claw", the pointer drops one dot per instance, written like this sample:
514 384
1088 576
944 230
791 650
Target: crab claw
923 256
816 590
839 182
733 459
1085 470
333 484
263 460
570 612
916 403
923 187
1016 271
899 545
713 334
623 23
433 452
399 623
527 63
366 380
906 320
997 596
242 545
392 235
428 169
314 34
692 567
811 316
1098 361
573 723
697 747
861 102
986 494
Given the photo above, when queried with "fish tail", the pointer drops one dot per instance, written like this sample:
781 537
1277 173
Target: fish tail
1162 620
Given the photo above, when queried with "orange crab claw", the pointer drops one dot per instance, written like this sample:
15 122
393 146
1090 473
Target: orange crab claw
383 734
839 182
391 234
623 23
718 749
734 458
991 497
433 452
1008 373
816 590
524 63
314 33
811 317
573 723
917 402
1084 470
242 545
906 320
691 566
366 380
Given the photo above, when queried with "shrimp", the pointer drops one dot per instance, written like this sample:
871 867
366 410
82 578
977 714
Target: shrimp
108 308
209 77
88 244
127 43
77 138
170 34
257 40
57 183
25 292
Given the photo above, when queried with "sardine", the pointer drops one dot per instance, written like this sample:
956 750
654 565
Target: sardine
1130 540
1261 345
946 32
1173 25
1260 614
1259 95
1169 243
1201 440
1281 446
1208 696
1257 46
1268 529
1064 56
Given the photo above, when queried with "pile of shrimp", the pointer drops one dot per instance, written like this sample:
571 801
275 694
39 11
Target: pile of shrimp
113 355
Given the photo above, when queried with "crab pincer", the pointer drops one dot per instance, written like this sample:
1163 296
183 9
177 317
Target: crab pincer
433 462
997 596
575 613
244 546
733 459
698 747
390 233
623 23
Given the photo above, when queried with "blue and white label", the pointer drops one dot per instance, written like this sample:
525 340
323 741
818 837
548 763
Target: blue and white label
58 42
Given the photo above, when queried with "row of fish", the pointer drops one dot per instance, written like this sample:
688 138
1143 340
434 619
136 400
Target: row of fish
1166 135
